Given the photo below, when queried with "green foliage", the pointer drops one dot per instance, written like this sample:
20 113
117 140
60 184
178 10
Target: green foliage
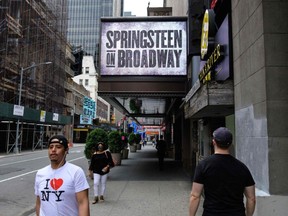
138 138
114 142
132 139
95 136
133 106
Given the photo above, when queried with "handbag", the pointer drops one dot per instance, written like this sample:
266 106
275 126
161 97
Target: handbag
110 162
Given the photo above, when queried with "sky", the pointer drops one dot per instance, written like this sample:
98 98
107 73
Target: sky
139 7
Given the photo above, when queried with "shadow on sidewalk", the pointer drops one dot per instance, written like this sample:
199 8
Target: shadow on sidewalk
138 187
143 166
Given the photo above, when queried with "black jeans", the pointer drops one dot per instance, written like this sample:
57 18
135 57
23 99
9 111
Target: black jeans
161 161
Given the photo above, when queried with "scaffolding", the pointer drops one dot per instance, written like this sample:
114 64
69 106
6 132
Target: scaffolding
32 32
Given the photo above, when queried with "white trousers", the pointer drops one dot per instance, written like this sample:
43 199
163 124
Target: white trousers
99 184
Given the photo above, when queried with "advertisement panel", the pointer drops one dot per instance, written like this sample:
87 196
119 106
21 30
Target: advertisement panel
223 69
143 47
18 110
218 61
42 115
89 111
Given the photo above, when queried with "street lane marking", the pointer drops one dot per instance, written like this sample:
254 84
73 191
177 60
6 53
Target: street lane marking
18 176
22 161
74 151
4 180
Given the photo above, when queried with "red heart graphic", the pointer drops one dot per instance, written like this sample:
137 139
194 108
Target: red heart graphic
56 183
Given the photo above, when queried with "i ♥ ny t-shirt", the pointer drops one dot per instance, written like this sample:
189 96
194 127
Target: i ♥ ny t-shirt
57 189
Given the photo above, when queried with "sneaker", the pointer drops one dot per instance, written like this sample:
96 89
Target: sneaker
101 198
95 200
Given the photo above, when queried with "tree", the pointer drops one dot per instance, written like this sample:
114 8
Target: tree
95 136
132 139
114 142
124 139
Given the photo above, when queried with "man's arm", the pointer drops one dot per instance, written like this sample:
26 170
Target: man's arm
83 203
195 198
249 193
37 206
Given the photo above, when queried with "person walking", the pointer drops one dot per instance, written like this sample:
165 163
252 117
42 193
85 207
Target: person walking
161 151
224 180
61 188
100 165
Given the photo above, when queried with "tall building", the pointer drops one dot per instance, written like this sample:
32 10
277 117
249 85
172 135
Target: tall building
84 22
35 76
84 33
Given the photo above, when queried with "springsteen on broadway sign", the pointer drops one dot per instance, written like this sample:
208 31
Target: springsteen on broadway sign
143 47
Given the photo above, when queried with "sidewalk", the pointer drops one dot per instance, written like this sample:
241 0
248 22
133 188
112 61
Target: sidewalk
137 188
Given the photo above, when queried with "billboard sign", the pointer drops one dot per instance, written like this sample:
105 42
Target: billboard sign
18 110
89 111
219 59
143 47
224 68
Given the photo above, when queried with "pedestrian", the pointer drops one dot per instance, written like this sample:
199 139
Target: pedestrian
142 143
61 188
100 165
161 151
154 142
224 180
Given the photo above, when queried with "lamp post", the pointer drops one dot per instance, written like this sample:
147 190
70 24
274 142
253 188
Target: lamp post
19 99
73 116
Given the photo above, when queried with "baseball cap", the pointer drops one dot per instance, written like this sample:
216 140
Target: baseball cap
223 136
60 139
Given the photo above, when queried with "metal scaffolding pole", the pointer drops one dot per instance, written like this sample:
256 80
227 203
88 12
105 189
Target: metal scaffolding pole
16 150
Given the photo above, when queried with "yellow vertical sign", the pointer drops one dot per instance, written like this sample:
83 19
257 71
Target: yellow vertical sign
204 35
42 116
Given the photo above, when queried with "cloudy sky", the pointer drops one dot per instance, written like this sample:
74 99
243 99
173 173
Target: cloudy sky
139 7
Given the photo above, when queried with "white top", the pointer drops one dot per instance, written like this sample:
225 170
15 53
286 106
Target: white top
57 189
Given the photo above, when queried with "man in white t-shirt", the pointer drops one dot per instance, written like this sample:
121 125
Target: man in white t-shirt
61 188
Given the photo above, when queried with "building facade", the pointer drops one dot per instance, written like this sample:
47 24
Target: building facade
84 22
36 83
84 34
261 97
88 79
251 96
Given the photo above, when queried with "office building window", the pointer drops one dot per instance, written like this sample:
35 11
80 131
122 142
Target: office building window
84 23
86 70
80 82
86 82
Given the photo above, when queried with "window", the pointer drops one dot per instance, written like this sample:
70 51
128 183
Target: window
80 82
86 82
86 70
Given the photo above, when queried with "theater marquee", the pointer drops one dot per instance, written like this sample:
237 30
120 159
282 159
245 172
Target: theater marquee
143 47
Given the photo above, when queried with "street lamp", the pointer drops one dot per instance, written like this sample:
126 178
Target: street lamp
19 99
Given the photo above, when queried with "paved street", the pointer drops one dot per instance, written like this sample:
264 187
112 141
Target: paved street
137 187
17 173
